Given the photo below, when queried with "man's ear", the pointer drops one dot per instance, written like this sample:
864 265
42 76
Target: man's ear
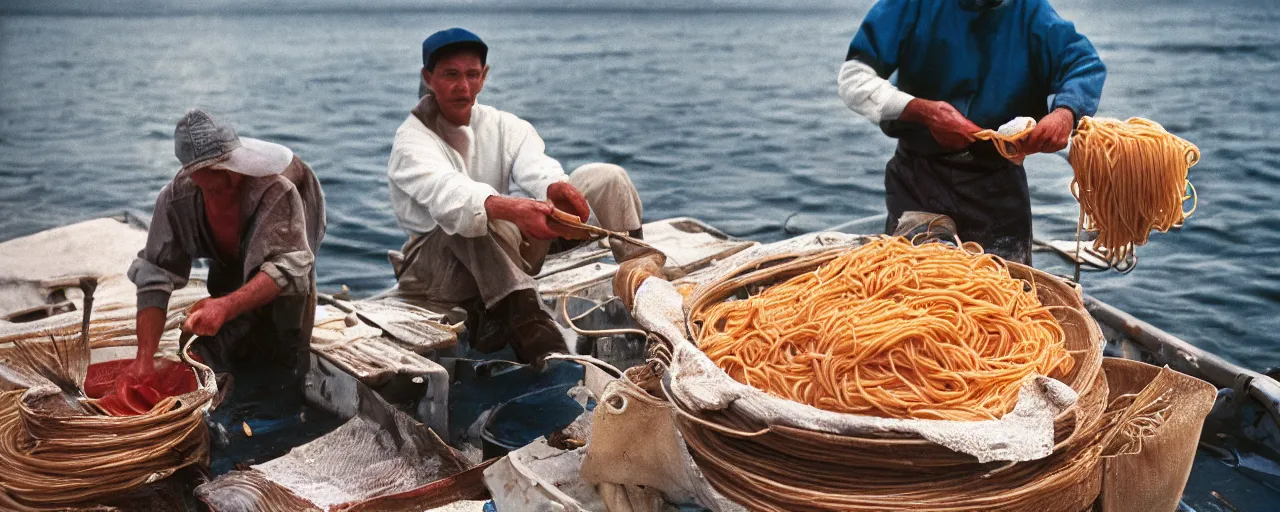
423 88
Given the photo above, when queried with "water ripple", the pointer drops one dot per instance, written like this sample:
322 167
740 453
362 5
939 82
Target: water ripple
730 118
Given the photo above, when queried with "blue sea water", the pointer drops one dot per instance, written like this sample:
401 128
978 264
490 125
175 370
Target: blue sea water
731 117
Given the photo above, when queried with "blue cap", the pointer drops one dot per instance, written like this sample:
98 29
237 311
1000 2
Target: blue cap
439 40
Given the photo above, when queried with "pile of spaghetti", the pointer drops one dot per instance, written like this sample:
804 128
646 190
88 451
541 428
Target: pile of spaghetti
893 330
1130 179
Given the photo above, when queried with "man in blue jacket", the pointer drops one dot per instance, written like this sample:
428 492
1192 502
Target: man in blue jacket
963 66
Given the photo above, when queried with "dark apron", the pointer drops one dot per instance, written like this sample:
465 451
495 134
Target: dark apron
984 193
273 343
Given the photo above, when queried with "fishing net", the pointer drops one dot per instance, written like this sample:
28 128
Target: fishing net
60 449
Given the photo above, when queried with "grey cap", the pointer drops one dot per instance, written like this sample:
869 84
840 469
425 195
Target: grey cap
200 141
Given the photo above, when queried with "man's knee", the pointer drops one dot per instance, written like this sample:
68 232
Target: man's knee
612 196
600 176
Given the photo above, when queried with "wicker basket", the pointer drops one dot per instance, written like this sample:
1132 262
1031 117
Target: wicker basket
787 468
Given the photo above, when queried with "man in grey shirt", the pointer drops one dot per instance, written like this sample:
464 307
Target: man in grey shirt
256 212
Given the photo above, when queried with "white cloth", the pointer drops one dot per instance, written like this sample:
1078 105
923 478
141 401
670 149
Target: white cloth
440 174
864 92
1017 126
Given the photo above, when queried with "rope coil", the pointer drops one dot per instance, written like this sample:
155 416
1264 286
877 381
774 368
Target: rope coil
56 458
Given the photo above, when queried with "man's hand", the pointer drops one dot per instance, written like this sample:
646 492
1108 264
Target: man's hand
1050 134
567 198
206 317
527 214
950 128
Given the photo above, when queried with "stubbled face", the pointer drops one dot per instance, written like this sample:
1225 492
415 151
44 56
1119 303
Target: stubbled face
217 182
456 81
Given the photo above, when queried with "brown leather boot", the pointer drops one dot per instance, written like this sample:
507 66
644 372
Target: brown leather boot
531 331
487 329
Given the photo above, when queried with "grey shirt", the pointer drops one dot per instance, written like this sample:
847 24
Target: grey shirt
282 224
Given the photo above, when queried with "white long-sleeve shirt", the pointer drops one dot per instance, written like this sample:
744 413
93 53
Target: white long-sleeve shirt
864 92
440 174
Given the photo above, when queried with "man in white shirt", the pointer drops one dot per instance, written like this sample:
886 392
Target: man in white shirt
450 170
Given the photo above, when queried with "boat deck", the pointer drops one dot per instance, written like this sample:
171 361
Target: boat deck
419 361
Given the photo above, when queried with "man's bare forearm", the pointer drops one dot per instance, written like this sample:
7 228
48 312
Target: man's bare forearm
207 318
150 327
256 293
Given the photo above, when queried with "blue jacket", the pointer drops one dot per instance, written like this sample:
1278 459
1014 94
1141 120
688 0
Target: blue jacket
992 65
